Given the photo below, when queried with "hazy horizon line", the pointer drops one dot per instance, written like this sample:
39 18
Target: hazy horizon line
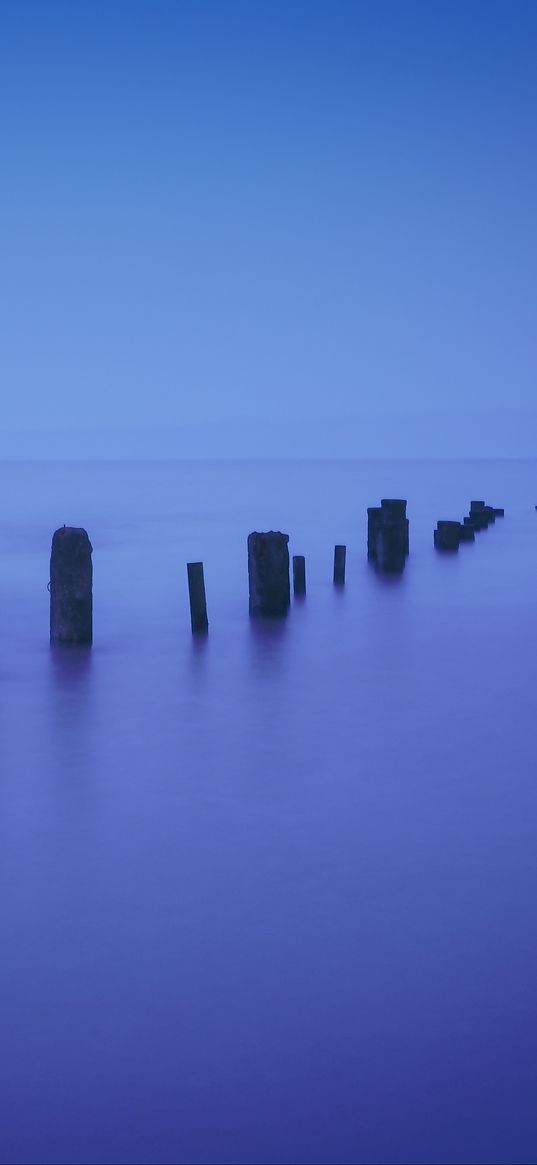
246 460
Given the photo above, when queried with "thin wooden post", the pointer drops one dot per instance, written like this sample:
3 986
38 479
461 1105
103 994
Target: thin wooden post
340 555
374 517
198 602
299 574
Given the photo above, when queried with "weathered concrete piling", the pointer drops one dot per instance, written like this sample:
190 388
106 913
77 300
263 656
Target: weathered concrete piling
71 586
340 559
482 515
478 515
268 573
299 574
447 535
388 534
198 601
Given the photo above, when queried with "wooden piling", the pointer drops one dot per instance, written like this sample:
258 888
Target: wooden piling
268 573
392 546
447 535
388 534
198 601
299 574
393 514
340 558
71 586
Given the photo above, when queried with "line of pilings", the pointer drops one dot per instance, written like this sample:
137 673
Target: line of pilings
449 534
71 582
71 573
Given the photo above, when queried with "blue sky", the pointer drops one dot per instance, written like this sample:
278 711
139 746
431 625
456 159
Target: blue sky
265 227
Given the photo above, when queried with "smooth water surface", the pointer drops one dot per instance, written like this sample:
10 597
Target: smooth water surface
269 896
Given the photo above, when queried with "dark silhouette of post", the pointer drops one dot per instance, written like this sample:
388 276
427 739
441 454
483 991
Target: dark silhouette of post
447 535
387 534
299 574
71 586
479 515
393 517
268 573
340 558
373 523
483 515
196 593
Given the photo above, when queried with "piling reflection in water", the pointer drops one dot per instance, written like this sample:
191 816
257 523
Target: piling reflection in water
239 874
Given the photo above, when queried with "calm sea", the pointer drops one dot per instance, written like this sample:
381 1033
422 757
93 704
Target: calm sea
269 897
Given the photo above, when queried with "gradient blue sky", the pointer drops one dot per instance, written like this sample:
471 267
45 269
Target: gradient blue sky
268 227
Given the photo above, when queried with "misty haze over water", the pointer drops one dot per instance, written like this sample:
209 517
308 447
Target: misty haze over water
268 897
443 431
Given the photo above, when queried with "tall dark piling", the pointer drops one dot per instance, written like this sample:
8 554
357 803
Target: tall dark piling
198 601
71 586
393 511
478 515
447 535
299 574
340 559
268 573
388 534
392 542
483 515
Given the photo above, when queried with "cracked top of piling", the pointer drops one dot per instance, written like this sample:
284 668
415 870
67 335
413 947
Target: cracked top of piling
72 540
262 538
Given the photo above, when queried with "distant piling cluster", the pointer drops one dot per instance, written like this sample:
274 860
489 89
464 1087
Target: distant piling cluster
388 534
449 534
71 572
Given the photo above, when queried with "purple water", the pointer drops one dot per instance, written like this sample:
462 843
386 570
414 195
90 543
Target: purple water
269 897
